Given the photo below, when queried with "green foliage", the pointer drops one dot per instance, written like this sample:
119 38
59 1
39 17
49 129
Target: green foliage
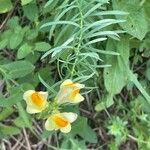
104 44
24 2
118 129
17 69
136 22
81 128
114 76
5 6
31 11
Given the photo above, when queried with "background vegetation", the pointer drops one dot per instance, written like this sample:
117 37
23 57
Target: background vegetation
103 44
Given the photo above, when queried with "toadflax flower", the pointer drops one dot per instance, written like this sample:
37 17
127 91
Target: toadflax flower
60 121
36 101
69 92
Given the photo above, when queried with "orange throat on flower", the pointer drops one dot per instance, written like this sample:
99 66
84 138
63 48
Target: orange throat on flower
60 122
37 100
74 93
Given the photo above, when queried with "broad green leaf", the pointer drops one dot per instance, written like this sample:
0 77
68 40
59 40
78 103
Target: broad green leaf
73 144
3 43
19 122
24 2
81 128
136 23
11 100
31 34
17 69
9 130
5 6
25 117
24 50
42 46
115 77
146 6
16 37
31 11
13 22
6 112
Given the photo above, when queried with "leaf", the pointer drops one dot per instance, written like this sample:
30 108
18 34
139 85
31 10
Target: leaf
11 100
136 24
42 46
5 6
115 77
105 103
6 112
31 11
3 43
19 122
13 22
73 144
24 50
24 2
23 114
84 130
133 78
9 130
16 37
90 54
59 23
17 69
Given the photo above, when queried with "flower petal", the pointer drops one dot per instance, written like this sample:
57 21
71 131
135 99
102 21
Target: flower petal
78 98
36 101
66 82
32 110
27 95
66 129
44 95
50 125
71 117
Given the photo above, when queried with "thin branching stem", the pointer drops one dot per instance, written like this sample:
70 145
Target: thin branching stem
77 49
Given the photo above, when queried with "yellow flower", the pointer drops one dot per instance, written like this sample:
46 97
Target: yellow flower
69 92
60 121
36 101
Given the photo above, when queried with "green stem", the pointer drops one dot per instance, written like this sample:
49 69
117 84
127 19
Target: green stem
77 49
